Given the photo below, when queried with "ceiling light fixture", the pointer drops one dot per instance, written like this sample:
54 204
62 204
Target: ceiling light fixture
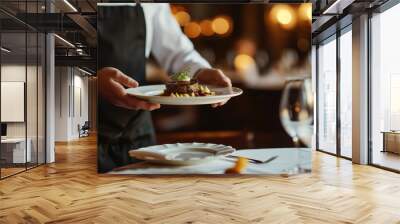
337 7
65 41
70 5
5 50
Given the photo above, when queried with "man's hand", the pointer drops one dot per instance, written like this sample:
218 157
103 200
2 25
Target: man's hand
213 77
111 83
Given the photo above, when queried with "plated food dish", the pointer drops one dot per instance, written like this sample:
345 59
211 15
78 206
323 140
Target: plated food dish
181 85
182 90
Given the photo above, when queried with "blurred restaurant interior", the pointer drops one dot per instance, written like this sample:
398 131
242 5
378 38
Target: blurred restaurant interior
257 56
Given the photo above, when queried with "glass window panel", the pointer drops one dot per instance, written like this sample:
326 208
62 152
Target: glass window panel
22 61
32 88
13 86
327 97
32 97
385 80
346 94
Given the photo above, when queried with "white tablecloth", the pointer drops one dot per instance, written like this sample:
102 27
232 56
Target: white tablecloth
289 161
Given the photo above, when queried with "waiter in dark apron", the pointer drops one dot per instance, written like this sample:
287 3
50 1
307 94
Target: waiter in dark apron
127 34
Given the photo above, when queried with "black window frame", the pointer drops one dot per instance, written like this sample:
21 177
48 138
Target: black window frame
333 33
29 29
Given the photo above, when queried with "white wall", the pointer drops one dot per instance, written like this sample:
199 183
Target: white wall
61 103
71 93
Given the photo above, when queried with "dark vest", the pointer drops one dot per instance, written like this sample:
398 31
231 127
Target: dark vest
121 33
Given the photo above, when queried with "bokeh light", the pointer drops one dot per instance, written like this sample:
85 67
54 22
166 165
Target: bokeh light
243 61
246 46
183 18
177 8
221 25
282 14
305 11
192 30
206 28
284 17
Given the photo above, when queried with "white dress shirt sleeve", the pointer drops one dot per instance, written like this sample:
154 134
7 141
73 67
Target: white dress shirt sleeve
170 47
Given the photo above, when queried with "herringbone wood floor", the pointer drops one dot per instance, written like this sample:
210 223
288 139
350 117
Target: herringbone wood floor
70 191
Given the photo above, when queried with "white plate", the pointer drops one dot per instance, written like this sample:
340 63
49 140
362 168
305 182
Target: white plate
182 153
152 94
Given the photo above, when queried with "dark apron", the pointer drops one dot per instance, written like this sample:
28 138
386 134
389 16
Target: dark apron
121 33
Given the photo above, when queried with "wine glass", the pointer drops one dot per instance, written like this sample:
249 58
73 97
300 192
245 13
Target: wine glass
296 110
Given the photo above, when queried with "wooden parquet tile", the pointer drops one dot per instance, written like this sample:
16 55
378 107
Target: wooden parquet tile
70 191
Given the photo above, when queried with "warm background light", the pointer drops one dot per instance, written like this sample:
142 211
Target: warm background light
246 46
282 14
305 11
182 17
284 17
221 25
243 61
192 30
206 28
177 8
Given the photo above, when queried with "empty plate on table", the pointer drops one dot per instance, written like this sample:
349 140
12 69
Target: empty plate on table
152 93
182 153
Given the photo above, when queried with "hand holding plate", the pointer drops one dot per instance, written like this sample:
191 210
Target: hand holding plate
213 77
111 87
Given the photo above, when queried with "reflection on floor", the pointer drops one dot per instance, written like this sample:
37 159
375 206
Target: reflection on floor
387 159
10 169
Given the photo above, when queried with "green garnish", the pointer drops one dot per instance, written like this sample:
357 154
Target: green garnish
181 76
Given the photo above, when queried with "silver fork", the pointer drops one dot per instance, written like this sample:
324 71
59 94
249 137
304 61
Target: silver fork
259 161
